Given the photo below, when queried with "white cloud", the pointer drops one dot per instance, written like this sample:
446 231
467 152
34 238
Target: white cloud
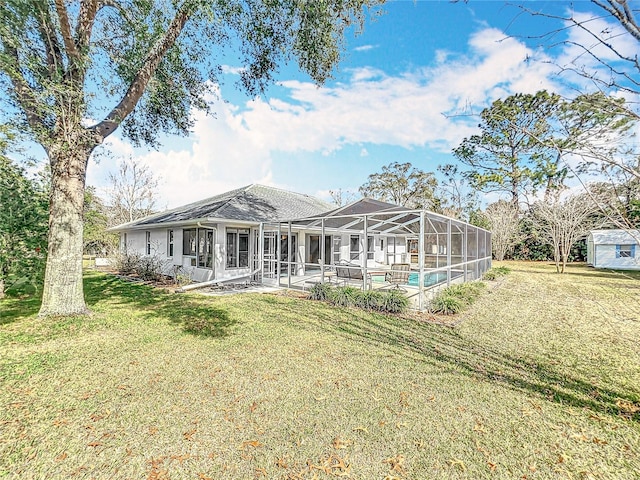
228 69
365 48
414 110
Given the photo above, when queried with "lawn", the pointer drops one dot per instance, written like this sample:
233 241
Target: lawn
541 380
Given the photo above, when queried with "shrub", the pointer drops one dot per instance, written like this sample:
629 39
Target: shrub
147 267
446 304
496 272
320 291
467 292
150 268
390 301
395 301
344 296
126 263
455 298
370 300
182 276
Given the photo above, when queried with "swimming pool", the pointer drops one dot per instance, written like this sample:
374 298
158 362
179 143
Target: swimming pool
429 278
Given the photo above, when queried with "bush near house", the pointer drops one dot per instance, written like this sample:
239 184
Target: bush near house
455 298
385 301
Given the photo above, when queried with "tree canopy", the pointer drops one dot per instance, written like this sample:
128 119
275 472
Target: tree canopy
75 71
402 184
511 154
23 223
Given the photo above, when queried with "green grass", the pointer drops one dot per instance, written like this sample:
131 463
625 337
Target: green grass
541 381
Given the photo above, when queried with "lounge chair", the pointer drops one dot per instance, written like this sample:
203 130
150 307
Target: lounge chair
398 275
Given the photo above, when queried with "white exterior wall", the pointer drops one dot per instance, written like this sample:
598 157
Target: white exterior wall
605 257
137 243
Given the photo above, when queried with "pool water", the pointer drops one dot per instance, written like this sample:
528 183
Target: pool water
429 278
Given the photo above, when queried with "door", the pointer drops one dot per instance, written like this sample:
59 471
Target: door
285 256
269 267
313 255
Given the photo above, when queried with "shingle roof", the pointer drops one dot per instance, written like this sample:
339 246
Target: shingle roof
615 237
253 203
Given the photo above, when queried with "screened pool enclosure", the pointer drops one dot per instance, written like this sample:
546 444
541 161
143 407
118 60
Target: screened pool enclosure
374 245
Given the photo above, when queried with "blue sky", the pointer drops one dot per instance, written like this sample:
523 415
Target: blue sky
407 91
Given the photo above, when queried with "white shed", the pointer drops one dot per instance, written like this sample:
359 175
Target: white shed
619 249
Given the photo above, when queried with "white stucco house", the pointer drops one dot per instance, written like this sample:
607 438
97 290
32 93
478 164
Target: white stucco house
617 249
291 240
216 238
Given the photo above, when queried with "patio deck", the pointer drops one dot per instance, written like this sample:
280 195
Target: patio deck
434 280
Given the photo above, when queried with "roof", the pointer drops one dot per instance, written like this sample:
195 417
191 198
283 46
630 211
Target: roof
253 203
615 237
364 206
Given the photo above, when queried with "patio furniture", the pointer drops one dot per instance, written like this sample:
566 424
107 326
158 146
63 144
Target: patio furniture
348 272
398 275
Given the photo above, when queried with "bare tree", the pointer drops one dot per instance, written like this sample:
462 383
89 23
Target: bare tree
132 192
563 223
603 51
457 197
342 197
504 224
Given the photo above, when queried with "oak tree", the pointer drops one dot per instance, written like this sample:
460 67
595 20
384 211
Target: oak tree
403 184
78 70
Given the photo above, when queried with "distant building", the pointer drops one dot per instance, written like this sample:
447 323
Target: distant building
618 249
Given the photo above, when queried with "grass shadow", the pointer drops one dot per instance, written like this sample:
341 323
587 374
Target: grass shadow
446 348
195 315
21 302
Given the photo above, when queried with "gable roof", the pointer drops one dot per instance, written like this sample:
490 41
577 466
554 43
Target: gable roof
253 203
615 237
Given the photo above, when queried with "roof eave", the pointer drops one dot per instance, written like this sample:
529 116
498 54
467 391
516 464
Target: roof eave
182 223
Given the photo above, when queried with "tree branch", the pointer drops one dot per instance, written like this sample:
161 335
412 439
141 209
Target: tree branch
624 16
137 87
65 29
86 18
25 96
49 39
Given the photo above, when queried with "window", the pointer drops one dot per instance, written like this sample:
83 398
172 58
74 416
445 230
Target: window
370 248
196 243
169 243
189 242
354 247
237 248
205 248
625 251
337 244
243 248
124 242
148 242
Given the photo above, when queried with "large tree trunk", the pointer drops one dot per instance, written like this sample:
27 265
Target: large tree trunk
63 292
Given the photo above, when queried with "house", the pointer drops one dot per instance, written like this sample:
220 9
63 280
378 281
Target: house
216 238
619 249
290 240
